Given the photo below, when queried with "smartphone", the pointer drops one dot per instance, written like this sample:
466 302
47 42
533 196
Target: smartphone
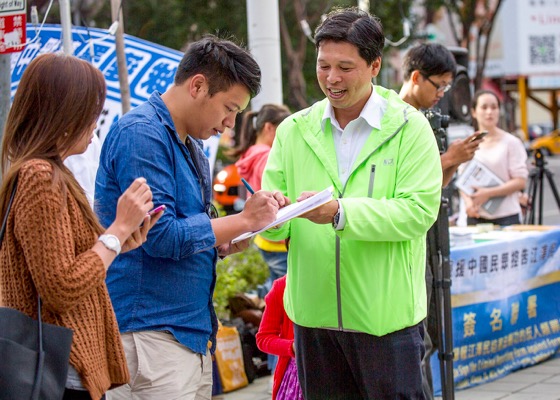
156 210
479 136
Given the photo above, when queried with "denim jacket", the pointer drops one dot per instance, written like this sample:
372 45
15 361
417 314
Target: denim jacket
168 283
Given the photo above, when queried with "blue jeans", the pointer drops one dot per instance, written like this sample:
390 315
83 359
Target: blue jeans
277 262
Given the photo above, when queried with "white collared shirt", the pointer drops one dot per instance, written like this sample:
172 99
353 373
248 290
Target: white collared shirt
348 142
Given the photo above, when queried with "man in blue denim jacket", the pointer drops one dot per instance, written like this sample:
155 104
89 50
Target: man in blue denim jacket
162 292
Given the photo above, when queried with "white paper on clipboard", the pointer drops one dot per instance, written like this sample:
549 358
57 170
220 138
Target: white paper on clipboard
293 210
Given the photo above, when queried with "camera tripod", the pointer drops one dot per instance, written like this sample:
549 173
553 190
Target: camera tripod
536 189
438 260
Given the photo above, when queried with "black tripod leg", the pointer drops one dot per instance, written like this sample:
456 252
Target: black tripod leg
438 241
541 195
529 209
446 311
553 187
533 191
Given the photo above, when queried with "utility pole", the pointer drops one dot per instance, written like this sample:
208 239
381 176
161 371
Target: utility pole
263 27
117 15
66 26
12 16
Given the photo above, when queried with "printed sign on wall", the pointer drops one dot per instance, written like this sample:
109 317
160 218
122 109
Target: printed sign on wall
12 25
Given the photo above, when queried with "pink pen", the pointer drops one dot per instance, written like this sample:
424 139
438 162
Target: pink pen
156 210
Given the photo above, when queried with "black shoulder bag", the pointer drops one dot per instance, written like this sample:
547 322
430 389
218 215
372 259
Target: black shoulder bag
33 355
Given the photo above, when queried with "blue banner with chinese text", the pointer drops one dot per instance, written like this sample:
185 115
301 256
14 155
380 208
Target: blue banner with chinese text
506 307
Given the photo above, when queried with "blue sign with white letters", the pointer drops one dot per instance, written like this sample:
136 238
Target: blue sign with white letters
505 299
151 67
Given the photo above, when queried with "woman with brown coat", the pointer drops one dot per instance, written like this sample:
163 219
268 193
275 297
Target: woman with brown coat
54 247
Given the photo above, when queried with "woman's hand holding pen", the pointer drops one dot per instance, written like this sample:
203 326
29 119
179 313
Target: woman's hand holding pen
140 235
133 214
132 208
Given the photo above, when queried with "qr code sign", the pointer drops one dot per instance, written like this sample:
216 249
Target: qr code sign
543 49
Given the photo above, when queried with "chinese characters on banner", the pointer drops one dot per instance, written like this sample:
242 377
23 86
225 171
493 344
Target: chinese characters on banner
151 67
12 25
505 298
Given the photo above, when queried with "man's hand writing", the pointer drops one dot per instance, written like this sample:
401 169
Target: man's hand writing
261 208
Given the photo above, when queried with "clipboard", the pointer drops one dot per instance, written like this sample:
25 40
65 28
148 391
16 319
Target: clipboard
292 211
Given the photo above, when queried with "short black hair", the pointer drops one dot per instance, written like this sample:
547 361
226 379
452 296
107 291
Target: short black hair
356 27
429 59
222 62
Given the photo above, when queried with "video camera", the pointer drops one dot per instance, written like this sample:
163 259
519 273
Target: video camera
439 123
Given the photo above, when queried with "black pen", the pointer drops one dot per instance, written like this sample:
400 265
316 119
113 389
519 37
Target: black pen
249 188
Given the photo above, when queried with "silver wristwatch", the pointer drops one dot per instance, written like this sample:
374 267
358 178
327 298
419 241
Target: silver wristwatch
111 242
336 218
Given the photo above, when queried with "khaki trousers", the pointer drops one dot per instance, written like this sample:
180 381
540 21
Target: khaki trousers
162 368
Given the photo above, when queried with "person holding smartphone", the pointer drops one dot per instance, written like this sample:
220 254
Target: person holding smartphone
428 70
504 155
54 247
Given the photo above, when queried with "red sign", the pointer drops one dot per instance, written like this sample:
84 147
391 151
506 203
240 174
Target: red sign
12 25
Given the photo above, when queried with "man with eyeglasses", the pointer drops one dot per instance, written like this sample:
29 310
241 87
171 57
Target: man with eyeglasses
162 291
428 72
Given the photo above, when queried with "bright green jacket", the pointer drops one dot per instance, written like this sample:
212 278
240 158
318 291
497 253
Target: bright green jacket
368 277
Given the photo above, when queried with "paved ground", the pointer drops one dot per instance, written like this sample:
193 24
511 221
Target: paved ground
540 382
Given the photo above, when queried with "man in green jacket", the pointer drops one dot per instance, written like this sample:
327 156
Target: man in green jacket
355 288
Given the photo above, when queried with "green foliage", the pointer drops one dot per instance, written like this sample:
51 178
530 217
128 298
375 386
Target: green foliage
238 273
175 23
391 14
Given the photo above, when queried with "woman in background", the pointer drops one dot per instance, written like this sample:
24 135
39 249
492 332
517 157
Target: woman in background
505 155
54 246
258 130
257 133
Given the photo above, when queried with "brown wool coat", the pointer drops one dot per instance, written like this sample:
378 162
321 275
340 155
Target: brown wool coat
47 249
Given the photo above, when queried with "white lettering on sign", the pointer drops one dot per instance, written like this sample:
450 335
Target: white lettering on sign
13 38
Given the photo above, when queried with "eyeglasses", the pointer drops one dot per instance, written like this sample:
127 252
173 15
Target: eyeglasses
439 88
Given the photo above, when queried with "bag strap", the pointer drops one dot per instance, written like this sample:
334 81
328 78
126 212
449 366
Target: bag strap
41 357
